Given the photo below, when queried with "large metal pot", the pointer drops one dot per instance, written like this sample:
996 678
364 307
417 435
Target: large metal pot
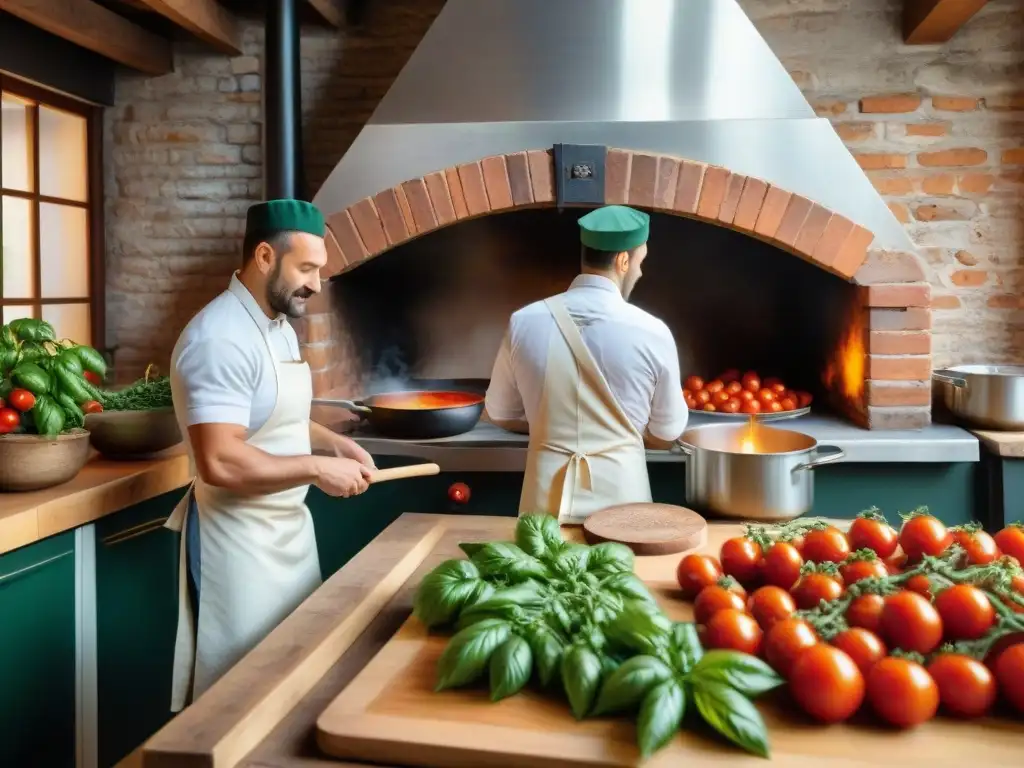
986 396
752 471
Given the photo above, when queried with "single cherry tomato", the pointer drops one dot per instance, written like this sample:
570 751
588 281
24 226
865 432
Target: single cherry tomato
731 376
804 399
751 381
733 387
458 492
766 396
815 587
751 406
902 692
980 548
770 605
746 396
911 623
709 407
781 564
920 584
713 599
91 406
967 688
826 546
740 558
92 378
695 572
1009 669
721 397
694 383
702 396
9 420
965 611
788 404
716 385
826 683
690 402
785 641
866 612
1010 541
21 400
864 647
854 570
772 382
777 387
876 535
774 407
734 630
924 535
731 406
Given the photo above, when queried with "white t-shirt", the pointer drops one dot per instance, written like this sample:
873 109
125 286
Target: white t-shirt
221 369
633 349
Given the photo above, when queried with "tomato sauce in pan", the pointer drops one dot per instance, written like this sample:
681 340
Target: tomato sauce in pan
422 401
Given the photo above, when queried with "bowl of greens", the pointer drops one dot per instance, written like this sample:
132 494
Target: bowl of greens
135 422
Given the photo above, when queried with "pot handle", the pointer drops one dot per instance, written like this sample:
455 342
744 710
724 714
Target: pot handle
949 377
350 405
680 447
825 454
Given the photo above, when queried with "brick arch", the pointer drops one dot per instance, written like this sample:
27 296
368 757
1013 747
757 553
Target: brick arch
662 183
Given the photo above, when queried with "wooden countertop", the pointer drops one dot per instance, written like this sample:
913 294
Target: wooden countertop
1009 445
101 488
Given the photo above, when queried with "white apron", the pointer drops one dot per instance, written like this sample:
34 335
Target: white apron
258 554
584 454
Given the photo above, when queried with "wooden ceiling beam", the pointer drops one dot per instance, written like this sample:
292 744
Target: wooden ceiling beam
92 26
206 19
936 21
331 11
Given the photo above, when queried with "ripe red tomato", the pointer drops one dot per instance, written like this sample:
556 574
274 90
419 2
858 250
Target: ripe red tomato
826 683
690 402
21 400
980 548
733 387
895 563
785 642
788 404
459 493
876 535
920 584
767 397
9 420
751 381
924 535
780 565
902 692
826 546
720 398
1009 668
866 612
695 572
91 406
965 611
770 605
694 383
862 646
803 399
92 378
854 570
731 406
715 386
734 630
910 622
740 558
702 396
713 599
967 687
1010 541
815 587
751 406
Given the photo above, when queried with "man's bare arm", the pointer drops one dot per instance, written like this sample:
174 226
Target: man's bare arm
520 426
656 443
225 460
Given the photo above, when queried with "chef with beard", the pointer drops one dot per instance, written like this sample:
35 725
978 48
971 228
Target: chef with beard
242 396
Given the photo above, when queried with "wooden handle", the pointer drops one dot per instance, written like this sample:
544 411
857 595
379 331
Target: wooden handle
400 473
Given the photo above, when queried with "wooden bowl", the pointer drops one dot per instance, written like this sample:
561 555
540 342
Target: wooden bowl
33 462
133 434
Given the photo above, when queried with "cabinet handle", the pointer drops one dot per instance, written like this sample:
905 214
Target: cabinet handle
134 532
22 571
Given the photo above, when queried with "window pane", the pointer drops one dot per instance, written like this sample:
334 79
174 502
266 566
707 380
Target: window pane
16 142
64 251
15 313
69 321
16 227
62 154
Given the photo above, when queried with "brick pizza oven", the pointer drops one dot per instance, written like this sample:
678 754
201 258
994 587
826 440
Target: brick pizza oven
514 106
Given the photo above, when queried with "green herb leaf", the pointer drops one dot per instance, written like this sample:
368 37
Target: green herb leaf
571 560
510 667
7 337
91 360
539 535
48 415
629 586
73 414
503 559
71 383
733 715
581 678
747 674
610 557
626 687
32 377
640 627
686 645
466 655
661 714
547 651
471 547
444 591
559 617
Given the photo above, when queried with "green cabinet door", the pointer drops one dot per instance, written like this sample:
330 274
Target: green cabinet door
37 654
136 618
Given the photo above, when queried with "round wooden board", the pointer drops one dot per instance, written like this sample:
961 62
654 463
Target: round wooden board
648 529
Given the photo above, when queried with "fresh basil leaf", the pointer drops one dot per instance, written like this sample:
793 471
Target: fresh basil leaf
500 558
547 651
581 678
733 715
559 617
474 614
609 664
539 535
444 591
483 591
513 603
610 557
640 627
467 653
626 686
510 667
661 714
686 645
747 674
571 560
471 547
629 586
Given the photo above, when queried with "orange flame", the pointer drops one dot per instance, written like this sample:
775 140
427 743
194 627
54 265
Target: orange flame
748 444
844 375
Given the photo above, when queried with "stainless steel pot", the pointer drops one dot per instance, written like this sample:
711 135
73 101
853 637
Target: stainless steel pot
752 471
986 396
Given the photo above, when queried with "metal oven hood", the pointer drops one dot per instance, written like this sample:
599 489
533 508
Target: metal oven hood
691 78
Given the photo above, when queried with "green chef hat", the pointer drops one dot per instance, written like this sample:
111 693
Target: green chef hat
267 219
614 228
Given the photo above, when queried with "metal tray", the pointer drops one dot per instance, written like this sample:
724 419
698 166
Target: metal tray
766 417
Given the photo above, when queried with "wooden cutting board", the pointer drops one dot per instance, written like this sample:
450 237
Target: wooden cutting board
648 529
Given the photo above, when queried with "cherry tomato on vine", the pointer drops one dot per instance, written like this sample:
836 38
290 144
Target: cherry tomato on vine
740 559
92 406
967 687
854 570
1010 541
734 630
895 563
9 420
713 599
21 400
876 535
924 535
980 548
826 683
965 611
92 378
780 565
770 605
785 641
864 647
828 545
866 612
695 572
902 692
911 623
815 587
920 584
1009 670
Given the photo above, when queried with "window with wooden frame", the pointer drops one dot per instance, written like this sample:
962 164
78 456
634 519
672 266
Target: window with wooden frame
51 211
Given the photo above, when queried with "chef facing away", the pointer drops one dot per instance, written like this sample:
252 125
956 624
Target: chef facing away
242 396
593 379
